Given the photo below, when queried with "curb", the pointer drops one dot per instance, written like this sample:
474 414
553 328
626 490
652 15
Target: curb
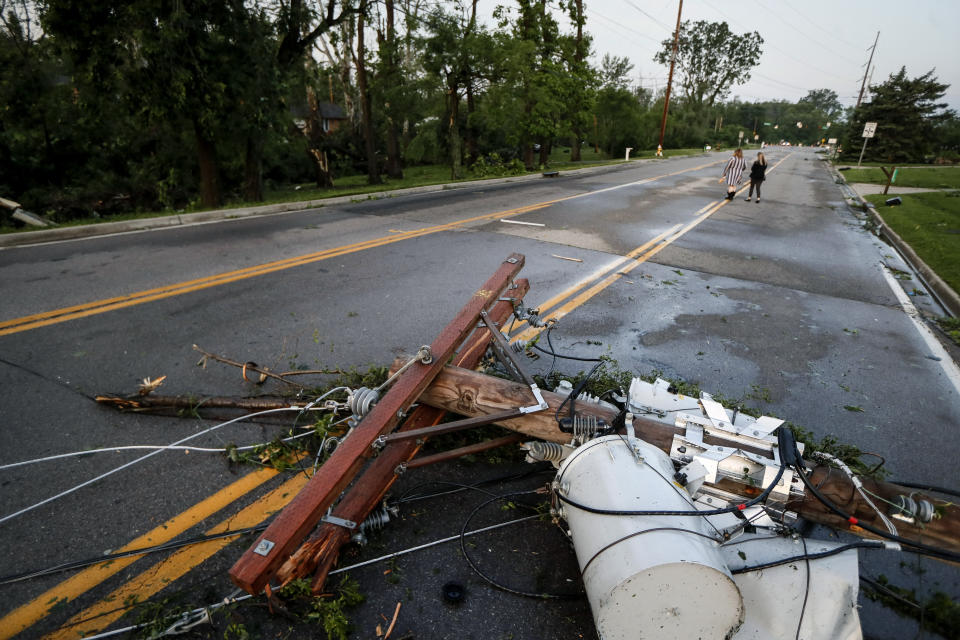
945 292
8 240
948 297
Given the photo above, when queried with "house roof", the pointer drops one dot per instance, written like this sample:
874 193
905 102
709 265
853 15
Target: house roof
331 111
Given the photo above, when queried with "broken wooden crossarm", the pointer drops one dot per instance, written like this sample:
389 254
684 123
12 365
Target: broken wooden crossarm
320 552
942 531
253 571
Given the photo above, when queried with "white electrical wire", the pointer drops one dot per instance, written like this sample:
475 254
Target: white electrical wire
157 447
233 598
859 486
87 483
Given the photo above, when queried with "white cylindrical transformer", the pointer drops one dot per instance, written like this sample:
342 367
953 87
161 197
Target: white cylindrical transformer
645 576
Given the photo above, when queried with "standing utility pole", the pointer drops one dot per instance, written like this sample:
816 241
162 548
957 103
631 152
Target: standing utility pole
867 70
673 59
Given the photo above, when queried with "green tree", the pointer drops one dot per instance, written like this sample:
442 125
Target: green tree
824 101
582 93
455 50
907 112
710 61
538 62
177 66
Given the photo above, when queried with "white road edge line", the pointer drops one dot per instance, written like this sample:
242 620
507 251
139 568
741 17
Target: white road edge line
936 349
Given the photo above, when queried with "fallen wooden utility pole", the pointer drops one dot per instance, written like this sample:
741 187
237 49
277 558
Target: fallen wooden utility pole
469 393
255 568
318 554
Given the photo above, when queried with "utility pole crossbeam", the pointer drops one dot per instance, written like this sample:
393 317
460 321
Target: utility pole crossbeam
866 71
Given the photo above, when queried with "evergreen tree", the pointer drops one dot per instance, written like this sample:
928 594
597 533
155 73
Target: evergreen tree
907 112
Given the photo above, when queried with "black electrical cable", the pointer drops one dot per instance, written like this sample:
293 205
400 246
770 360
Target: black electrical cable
691 512
493 582
786 438
880 587
572 397
630 536
167 546
864 544
806 592
553 359
550 352
790 455
530 470
927 487
920 547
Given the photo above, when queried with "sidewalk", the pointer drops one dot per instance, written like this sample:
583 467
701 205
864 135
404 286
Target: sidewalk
866 188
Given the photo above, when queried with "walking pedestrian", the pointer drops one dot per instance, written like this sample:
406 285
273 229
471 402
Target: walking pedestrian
733 172
757 175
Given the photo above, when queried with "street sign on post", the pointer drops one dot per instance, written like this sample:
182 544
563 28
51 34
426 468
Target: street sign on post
869 129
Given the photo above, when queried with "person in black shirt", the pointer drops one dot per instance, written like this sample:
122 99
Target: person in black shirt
757 175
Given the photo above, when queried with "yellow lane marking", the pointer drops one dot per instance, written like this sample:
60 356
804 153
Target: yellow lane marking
547 306
162 574
38 608
55 316
632 260
704 208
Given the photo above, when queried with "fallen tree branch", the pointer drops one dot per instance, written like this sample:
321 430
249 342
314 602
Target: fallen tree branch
154 403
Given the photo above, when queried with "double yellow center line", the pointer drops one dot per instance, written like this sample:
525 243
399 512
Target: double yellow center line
75 312
577 295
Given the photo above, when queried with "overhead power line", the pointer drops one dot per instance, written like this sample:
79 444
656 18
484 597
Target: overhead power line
667 27
793 26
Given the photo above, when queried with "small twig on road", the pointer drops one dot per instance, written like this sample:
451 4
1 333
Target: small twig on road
393 622
264 371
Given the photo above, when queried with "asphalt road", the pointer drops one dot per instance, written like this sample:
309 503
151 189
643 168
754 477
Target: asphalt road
784 304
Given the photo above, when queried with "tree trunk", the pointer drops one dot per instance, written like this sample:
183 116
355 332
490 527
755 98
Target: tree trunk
545 147
473 148
373 174
207 159
253 169
453 128
577 131
394 164
575 145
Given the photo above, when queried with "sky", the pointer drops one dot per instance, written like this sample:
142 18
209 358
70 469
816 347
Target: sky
808 44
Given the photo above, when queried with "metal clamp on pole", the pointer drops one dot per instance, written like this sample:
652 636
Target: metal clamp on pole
340 522
505 354
448 427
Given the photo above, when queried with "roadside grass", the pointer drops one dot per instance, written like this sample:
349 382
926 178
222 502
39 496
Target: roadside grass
921 177
356 185
930 223
560 156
